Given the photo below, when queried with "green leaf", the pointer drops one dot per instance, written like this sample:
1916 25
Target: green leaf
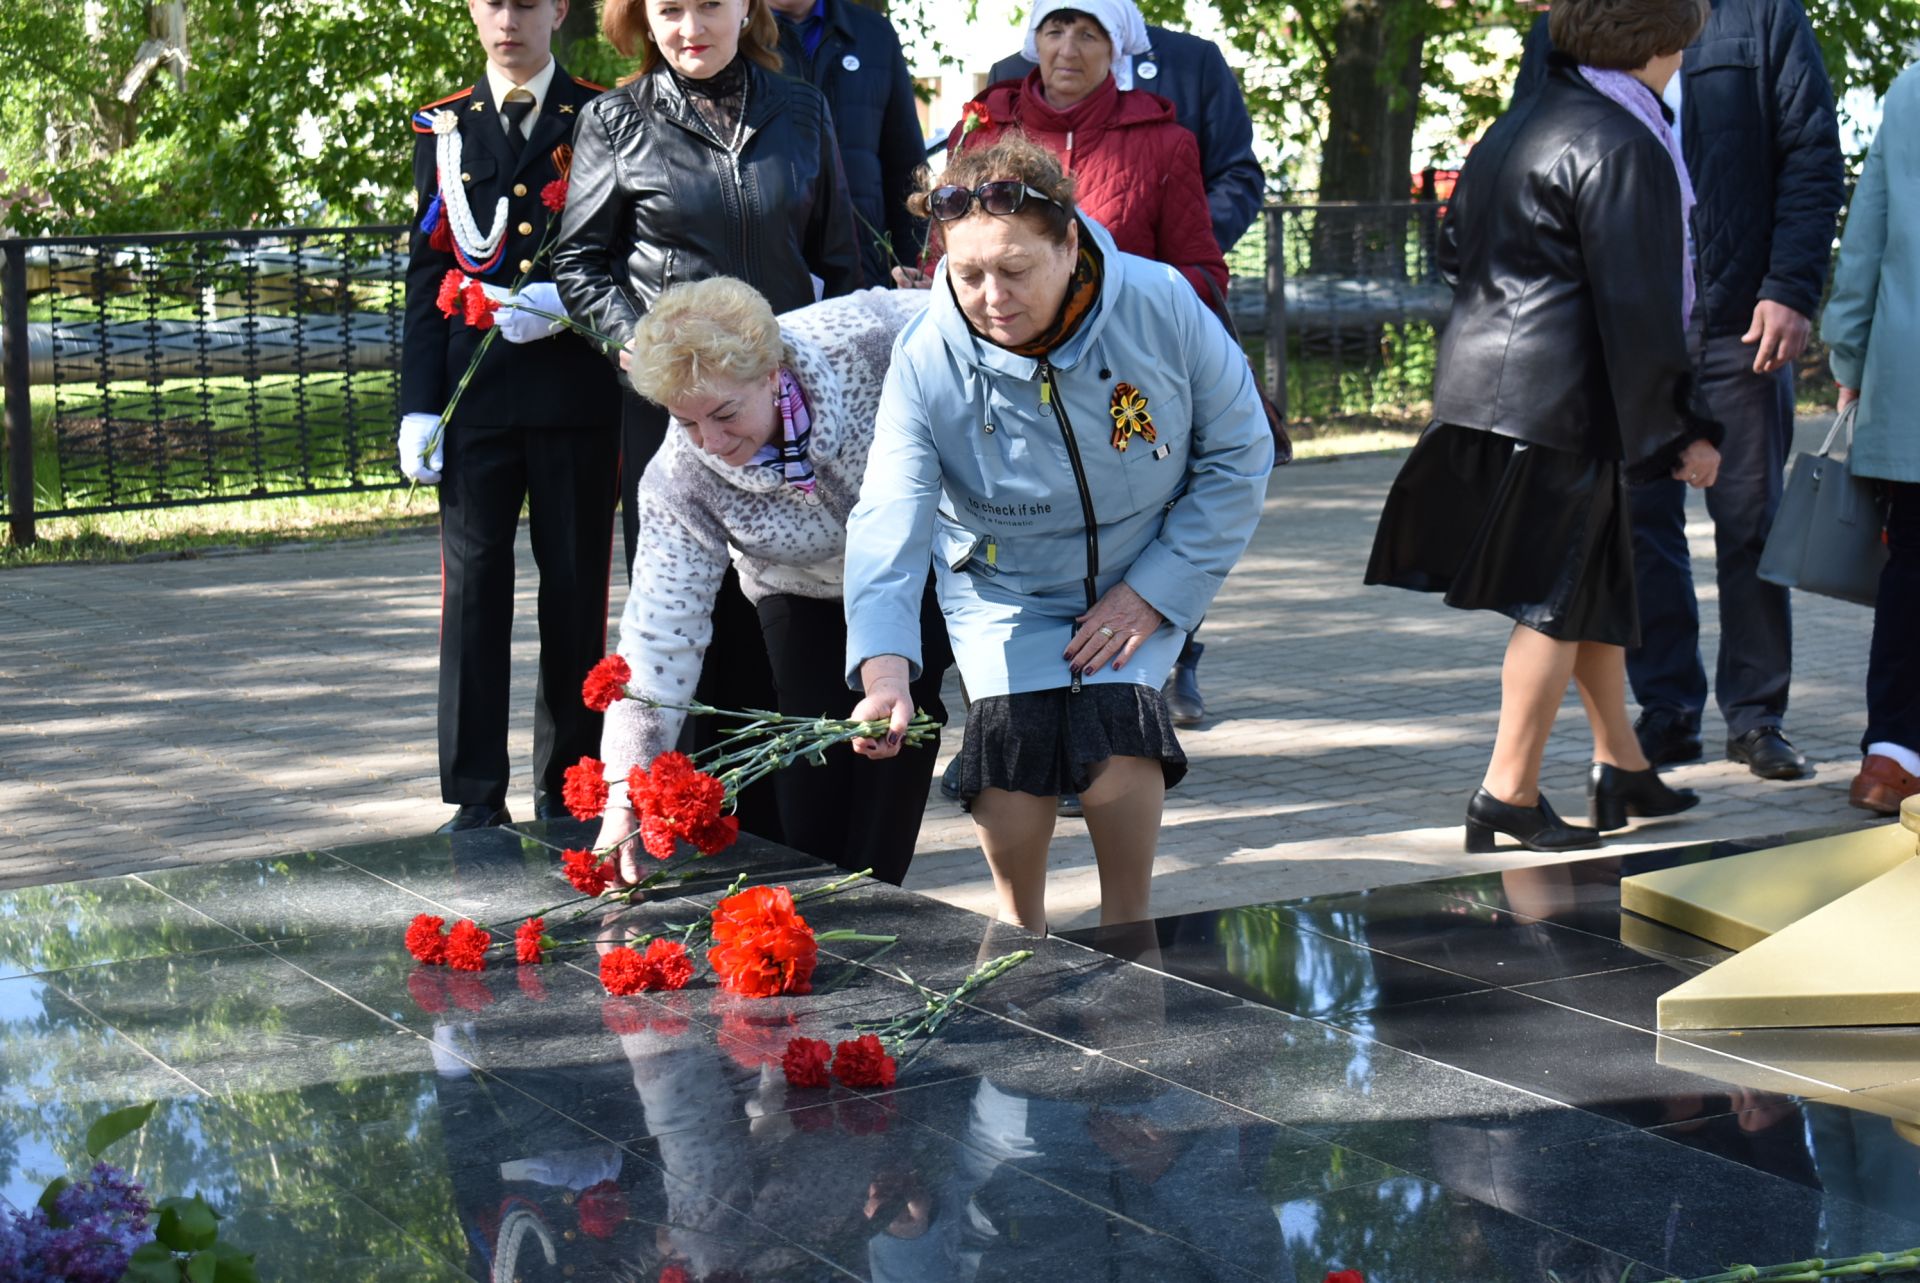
202 1267
120 1123
151 1263
186 1224
235 1266
49 1196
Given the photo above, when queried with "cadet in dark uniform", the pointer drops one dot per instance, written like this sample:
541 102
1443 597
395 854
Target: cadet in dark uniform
539 423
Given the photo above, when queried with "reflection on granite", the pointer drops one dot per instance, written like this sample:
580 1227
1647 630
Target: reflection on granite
1455 1081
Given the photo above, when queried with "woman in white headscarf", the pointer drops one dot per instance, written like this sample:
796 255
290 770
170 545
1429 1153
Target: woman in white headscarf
1135 169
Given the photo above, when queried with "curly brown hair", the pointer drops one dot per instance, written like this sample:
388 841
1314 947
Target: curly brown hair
1012 156
1624 35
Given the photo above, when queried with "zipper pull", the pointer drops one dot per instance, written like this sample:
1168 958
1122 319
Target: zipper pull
1046 385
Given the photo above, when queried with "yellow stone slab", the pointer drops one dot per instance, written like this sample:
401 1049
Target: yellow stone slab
1851 963
1844 1060
1898 1100
1740 900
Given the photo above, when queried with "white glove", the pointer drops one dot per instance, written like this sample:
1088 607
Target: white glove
415 430
520 326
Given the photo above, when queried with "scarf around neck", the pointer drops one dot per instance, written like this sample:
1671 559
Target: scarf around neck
1645 105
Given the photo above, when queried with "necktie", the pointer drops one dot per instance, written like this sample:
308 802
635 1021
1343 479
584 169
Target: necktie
516 108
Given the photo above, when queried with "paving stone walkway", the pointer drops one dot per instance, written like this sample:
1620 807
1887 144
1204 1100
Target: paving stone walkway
172 713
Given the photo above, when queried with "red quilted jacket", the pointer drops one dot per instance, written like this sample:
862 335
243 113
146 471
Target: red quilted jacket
1138 171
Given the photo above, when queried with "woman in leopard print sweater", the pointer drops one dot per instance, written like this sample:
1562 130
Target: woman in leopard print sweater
773 418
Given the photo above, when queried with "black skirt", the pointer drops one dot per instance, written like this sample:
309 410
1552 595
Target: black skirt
1042 742
1539 535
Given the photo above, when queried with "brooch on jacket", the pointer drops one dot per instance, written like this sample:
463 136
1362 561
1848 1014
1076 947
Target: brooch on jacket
1130 417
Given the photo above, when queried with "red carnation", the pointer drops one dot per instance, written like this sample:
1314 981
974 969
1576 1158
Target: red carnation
467 947
753 1037
441 238
715 837
452 285
676 801
554 195
806 1062
761 944
622 971
622 1017
863 1062
526 940
469 993
1345 1276
669 963
674 1274
478 308
426 939
427 991
602 1208
585 790
657 837
584 871
606 683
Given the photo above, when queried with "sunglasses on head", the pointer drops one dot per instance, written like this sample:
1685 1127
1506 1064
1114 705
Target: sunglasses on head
1002 196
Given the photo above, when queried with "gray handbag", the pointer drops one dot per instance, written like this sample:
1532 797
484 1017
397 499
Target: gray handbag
1826 538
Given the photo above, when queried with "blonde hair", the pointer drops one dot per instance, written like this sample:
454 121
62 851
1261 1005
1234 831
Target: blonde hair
624 23
703 333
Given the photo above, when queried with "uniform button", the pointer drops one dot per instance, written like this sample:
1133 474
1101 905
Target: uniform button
466 178
526 265
519 189
526 229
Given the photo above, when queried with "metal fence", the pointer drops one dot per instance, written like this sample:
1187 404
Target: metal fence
1345 320
153 371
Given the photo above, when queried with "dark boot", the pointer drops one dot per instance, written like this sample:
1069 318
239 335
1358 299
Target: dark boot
1535 827
1614 794
1182 690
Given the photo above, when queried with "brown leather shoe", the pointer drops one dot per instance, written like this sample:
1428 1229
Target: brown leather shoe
1882 785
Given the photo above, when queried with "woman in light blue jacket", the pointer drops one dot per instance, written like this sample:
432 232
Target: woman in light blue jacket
1872 325
1078 446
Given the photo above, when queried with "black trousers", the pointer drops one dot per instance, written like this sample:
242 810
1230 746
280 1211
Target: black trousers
1755 664
1893 671
853 812
566 477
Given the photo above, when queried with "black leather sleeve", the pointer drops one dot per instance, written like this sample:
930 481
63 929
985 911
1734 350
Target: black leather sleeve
832 252
1627 209
423 343
588 265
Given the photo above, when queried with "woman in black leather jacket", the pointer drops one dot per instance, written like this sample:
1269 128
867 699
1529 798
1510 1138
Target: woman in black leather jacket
706 162
1563 372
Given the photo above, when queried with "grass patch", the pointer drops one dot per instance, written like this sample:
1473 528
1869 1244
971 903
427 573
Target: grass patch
211 529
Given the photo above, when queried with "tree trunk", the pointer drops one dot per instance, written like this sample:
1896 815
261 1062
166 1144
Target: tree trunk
1373 86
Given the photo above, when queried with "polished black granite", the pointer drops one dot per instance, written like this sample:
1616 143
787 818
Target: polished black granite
1455 1081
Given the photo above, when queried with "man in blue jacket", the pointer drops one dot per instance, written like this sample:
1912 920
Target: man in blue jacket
852 55
1754 112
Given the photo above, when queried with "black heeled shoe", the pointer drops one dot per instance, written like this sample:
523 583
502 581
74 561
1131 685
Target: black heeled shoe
1614 794
1535 827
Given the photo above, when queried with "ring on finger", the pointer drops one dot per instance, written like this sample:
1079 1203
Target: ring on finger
1106 632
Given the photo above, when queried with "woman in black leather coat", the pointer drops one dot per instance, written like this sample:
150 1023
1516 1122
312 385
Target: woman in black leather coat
706 162
1563 372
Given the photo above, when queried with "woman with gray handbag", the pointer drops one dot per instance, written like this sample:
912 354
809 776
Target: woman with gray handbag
1872 325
